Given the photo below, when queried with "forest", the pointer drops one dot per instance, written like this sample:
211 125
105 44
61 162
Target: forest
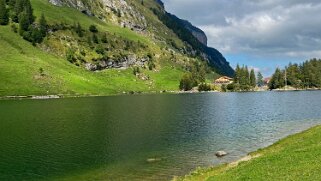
299 76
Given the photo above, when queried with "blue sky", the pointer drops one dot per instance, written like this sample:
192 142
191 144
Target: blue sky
263 34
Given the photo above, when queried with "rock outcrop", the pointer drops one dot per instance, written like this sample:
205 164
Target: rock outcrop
117 11
197 33
131 14
122 63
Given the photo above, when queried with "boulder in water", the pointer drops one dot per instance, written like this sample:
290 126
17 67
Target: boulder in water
220 154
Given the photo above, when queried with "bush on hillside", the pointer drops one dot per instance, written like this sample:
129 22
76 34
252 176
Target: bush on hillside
187 82
93 29
204 87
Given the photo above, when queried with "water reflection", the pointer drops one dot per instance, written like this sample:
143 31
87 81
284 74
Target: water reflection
112 137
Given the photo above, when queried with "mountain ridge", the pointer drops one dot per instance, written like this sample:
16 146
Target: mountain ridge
138 23
87 47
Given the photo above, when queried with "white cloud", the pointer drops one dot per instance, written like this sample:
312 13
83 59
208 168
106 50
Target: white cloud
275 28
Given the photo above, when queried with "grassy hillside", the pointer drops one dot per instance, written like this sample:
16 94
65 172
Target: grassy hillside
43 69
19 73
294 158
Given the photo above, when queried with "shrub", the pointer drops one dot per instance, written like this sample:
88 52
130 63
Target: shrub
151 65
204 87
186 82
104 38
14 28
136 70
231 87
100 50
95 39
79 30
93 29
223 88
41 71
70 55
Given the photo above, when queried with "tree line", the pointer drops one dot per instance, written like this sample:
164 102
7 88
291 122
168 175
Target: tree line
20 12
299 76
195 76
244 79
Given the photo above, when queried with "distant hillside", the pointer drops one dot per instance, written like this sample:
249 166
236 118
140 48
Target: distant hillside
99 47
192 36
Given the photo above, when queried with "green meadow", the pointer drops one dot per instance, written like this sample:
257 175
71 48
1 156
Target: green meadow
20 65
294 158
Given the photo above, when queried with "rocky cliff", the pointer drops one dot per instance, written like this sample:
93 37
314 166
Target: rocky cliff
198 33
136 15
117 11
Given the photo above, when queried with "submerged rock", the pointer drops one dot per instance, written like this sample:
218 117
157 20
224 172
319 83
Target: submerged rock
153 160
220 154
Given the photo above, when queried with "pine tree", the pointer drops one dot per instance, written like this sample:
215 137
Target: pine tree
43 26
17 9
260 81
29 11
23 23
247 76
11 4
237 74
4 16
252 78
36 36
277 80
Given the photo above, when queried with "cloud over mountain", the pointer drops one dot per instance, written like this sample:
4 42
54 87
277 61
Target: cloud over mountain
274 28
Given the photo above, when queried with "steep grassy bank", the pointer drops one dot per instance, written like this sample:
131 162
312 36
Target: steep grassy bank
296 157
20 73
65 62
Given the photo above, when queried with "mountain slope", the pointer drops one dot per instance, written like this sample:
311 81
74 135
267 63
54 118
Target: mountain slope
132 50
19 73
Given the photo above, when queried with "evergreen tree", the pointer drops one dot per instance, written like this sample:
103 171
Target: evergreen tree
4 16
277 80
252 78
23 23
247 76
36 36
293 78
17 9
260 81
29 11
43 26
237 74
11 4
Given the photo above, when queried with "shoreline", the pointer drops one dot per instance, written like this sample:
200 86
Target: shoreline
206 173
61 96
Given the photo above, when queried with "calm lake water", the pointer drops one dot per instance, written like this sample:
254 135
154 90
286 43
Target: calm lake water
110 138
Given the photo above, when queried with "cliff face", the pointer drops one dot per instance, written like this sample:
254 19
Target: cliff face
198 33
117 11
141 16
195 38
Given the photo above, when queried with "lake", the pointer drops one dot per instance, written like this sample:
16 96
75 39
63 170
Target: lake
111 138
